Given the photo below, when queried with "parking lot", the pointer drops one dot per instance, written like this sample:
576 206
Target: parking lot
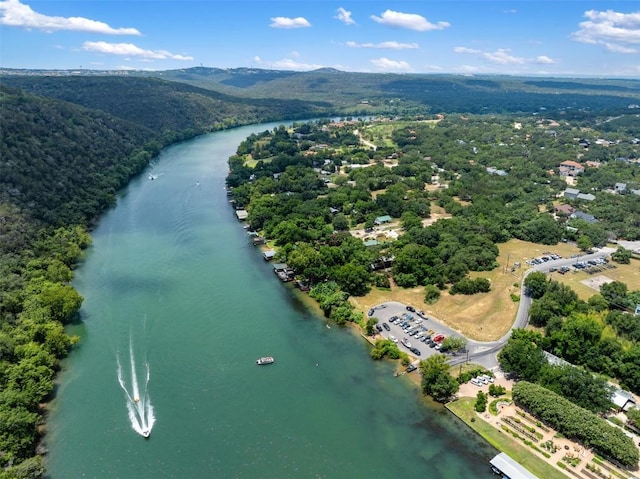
414 332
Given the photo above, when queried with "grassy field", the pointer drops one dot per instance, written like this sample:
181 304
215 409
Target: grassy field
463 408
482 316
626 273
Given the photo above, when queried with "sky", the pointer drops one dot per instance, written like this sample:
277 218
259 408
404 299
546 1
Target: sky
519 37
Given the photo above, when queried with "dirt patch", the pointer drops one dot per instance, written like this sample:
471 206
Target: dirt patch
596 282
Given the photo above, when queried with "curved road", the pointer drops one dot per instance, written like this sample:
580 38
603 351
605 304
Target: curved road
483 353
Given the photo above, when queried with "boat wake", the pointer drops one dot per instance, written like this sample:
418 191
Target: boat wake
138 400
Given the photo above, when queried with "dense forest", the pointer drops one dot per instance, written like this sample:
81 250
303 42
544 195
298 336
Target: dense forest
69 143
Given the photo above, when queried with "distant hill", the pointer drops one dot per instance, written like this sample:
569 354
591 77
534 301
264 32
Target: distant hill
434 93
163 105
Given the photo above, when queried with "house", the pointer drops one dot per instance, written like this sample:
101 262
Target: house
382 219
333 210
371 242
571 193
382 263
283 272
622 400
580 215
620 187
570 168
269 255
585 197
494 171
242 215
565 210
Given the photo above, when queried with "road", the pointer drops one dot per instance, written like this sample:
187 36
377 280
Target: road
478 352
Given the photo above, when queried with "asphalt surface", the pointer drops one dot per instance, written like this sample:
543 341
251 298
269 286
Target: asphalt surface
478 352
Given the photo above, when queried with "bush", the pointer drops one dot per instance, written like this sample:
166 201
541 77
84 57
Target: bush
495 390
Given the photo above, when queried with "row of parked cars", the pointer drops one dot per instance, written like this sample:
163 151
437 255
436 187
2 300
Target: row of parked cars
543 259
481 380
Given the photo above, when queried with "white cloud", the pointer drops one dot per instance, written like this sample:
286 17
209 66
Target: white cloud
345 17
466 50
411 21
290 64
16 14
389 45
500 56
286 22
257 59
614 47
543 59
614 30
387 65
129 49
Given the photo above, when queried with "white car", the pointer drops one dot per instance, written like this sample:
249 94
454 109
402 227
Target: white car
393 338
418 320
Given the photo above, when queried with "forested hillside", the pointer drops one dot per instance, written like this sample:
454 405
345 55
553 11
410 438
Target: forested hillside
165 106
415 93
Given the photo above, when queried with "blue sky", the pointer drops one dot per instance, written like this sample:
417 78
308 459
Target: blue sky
520 37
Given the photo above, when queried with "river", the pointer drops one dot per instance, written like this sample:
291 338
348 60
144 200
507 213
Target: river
177 308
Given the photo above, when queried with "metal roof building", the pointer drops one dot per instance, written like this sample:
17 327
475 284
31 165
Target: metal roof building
510 468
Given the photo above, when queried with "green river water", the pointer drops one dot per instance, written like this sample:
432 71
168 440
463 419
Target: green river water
177 301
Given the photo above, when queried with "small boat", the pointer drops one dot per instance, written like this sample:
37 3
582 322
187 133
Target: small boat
405 342
146 433
136 399
265 360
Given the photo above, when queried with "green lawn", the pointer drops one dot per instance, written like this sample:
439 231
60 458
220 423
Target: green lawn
463 408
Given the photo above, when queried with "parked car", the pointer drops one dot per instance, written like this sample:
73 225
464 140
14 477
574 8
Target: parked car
411 308
379 328
386 326
371 311
416 351
393 338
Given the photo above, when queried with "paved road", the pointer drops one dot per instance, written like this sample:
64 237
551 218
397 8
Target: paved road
482 353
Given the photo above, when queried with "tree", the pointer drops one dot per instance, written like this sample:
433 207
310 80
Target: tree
536 284
584 243
481 402
353 279
431 294
436 379
521 357
453 343
621 255
496 390
615 293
